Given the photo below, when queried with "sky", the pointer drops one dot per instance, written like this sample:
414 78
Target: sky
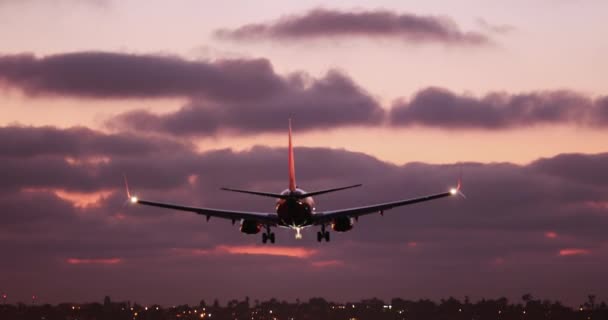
398 95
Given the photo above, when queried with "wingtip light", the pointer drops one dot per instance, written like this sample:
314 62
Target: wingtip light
133 199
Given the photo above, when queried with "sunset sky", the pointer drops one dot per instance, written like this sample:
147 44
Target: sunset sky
190 96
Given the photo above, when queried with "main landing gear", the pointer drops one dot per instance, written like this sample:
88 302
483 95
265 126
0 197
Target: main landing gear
268 235
323 234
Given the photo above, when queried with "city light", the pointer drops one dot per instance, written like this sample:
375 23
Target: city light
365 309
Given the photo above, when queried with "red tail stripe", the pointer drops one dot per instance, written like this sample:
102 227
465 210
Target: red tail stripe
292 168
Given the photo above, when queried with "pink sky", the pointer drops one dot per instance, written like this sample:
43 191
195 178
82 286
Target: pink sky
552 45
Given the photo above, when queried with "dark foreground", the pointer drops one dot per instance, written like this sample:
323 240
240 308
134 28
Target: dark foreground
316 308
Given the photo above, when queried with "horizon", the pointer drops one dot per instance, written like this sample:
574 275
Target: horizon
399 96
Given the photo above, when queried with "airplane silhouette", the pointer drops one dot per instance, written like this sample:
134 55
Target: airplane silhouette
295 208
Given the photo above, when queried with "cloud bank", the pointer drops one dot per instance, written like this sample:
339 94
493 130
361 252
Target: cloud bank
441 108
501 231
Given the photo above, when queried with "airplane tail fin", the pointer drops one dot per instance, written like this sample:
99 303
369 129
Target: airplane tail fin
292 180
292 168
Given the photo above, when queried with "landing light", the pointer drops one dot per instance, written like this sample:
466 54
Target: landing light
134 199
453 191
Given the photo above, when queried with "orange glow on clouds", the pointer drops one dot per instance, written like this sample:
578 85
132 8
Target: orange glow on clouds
573 252
77 199
550 234
110 261
269 250
291 252
82 200
87 160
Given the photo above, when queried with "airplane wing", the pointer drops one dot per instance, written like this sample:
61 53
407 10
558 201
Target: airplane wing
328 216
264 218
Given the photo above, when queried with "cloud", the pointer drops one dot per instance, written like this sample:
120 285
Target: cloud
243 95
576 168
283 251
118 75
107 261
499 232
78 143
324 23
437 107
573 252
76 161
335 96
271 251
495 28
327 263
550 234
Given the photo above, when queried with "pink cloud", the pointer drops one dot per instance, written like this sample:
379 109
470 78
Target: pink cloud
193 179
77 199
109 261
573 252
292 252
597 204
269 250
551 234
327 263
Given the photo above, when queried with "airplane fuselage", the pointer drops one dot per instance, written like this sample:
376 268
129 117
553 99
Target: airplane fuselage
294 212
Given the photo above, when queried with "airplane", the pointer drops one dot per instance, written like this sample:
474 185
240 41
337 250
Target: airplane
294 208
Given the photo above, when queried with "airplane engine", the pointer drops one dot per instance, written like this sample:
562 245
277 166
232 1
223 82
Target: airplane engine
342 224
250 227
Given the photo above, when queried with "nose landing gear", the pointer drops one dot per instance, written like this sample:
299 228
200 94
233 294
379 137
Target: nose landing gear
268 235
323 235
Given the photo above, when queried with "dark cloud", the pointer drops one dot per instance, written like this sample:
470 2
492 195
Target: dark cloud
77 158
24 142
499 233
324 23
437 107
239 95
334 100
577 168
117 75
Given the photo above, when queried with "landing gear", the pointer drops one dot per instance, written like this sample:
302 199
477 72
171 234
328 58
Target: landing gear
268 235
321 235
